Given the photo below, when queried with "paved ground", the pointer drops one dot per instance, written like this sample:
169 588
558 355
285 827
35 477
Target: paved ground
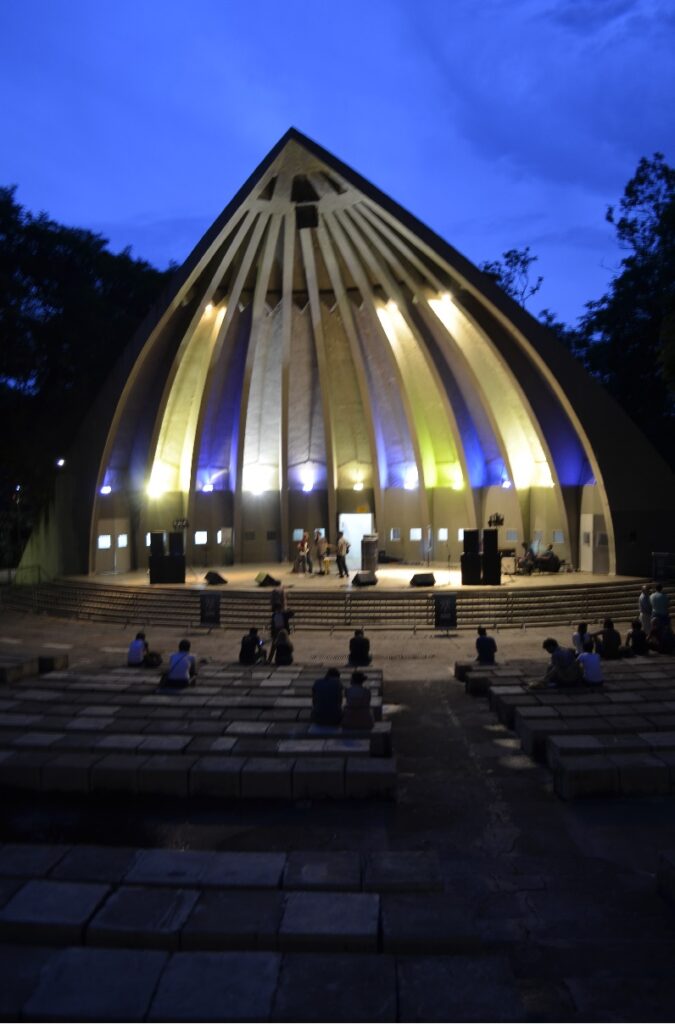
563 894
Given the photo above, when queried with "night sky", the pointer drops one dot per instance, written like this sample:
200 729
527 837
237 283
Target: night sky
499 123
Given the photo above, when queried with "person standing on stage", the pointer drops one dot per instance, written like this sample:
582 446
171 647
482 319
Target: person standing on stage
341 556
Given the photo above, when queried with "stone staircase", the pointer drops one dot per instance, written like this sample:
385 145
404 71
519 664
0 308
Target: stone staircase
404 609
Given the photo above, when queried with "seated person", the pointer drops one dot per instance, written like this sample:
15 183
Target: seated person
359 649
282 649
357 713
580 637
548 561
251 650
591 667
661 638
563 669
636 639
327 696
526 562
138 651
608 641
182 667
486 647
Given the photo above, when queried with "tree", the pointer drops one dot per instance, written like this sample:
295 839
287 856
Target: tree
512 274
628 336
68 306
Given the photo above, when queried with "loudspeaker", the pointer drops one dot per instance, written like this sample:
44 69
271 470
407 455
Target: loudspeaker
470 562
167 569
364 579
263 579
423 579
156 545
471 542
176 544
492 569
490 541
214 578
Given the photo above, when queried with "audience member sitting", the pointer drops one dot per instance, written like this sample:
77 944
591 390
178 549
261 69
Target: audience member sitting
636 639
252 649
327 694
548 561
591 666
140 655
182 669
563 669
661 638
486 647
608 641
357 713
282 649
580 637
359 649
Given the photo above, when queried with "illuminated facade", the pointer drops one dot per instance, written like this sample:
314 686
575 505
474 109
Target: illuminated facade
324 353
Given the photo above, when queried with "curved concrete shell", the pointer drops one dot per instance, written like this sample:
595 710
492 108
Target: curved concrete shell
324 354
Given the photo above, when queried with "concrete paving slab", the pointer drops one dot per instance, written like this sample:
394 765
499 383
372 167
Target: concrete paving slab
337 871
336 987
88 863
217 987
458 988
167 774
316 778
117 773
267 778
340 922
30 860
234 870
217 777
404 871
142 918
238 919
50 912
96 984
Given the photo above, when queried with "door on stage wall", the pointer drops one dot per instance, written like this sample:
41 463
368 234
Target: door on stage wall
355 525
112 546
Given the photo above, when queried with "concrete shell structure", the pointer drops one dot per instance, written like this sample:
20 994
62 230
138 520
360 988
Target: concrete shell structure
324 354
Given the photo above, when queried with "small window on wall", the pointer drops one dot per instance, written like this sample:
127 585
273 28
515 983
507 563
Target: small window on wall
586 538
147 540
460 534
219 537
104 541
416 533
443 533
558 537
271 534
297 534
395 533
122 540
512 535
201 537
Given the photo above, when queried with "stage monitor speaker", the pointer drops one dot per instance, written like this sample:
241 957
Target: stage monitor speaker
176 543
263 579
490 542
471 538
364 579
492 570
157 545
167 568
214 579
423 579
470 562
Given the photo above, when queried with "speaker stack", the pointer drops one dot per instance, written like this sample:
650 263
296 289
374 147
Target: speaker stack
470 560
492 563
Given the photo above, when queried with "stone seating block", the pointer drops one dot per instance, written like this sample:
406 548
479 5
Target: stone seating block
235 870
339 922
505 706
236 986
300 747
37 740
183 868
247 728
86 723
267 778
163 744
120 742
69 773
477 684
346 747
641 774
52 663
402 871
624 743
334 870
316 778
88 863
535 732
96 984
165 773
142 918
370 777
462 669
30 860
50 912
595 775
459 988
559 747
658 741
217 776
117 773
23 769
237 919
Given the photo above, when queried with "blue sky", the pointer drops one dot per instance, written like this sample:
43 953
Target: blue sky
500 124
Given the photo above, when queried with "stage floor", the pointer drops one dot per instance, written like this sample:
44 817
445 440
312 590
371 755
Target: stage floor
389 577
